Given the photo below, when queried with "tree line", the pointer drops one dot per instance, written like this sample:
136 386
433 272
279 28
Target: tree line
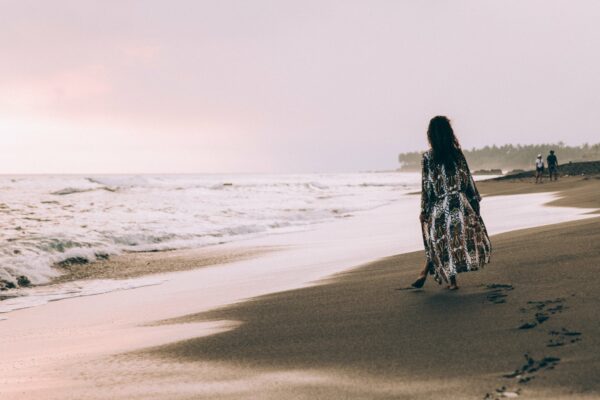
509 157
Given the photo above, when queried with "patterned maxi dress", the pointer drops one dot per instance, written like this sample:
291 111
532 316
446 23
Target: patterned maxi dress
454 234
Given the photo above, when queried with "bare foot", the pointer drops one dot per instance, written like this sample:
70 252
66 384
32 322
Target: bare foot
420 282
453 285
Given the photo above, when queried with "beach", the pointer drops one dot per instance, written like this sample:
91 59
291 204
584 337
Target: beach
238 200
358 336
341 324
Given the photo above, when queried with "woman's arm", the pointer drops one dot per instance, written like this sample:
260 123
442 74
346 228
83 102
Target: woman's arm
472 193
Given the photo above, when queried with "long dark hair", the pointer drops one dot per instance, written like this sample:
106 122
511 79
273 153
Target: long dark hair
445 148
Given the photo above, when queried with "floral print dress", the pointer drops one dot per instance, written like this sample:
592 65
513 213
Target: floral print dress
454 234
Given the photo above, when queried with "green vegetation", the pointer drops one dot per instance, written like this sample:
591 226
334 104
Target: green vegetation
509 157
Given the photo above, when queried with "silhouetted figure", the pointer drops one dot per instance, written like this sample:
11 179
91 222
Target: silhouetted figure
454 234
539 169
552 165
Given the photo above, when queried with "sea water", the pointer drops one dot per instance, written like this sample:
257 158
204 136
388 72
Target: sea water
322 224
46 220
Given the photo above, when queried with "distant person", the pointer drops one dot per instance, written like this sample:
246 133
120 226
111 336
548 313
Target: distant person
539 169
552 165
454 234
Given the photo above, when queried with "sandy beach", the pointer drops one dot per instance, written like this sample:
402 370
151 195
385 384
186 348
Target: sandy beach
233 200
358 336
536 302
525 325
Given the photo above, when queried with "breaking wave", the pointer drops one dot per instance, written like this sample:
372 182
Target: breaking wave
51 221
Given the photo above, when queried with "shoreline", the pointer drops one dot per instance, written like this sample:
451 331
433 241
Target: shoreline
142 264
573 191
134 334
455 346
136 270
525 326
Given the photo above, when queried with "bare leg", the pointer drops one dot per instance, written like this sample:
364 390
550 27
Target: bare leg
422 277
425 270
453 285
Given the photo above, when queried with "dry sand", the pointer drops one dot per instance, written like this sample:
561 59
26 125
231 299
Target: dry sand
358 336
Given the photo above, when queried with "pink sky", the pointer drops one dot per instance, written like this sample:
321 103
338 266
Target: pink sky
286 86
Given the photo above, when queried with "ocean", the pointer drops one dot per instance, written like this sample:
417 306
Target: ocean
319 224
53 219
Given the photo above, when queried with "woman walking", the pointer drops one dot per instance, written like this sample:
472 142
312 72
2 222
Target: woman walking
454 234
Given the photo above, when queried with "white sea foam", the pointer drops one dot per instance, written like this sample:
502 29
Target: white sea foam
166 220
49 219
35 296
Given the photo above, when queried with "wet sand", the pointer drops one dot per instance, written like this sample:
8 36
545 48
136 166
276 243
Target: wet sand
526 323
574 191
353 335
581 193
133 265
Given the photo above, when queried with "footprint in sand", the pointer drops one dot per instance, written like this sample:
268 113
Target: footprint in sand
497 292
522 375
543 310
532 367
563 337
